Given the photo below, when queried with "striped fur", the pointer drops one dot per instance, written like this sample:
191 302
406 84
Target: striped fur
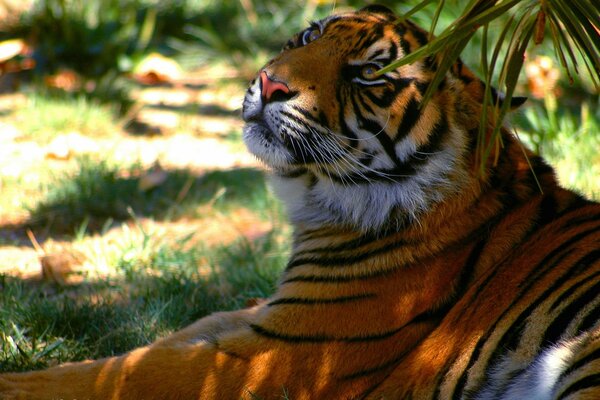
411 275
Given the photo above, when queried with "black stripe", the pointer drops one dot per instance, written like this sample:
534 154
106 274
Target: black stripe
418 319
302 150
306 301
344 128
564 247
366 41
567 293
541 271
340 278
435 138
420 36
295 173
378 368
400 30
512 335
590 320
387 95
547 213
462 286
411 115
422 86
402 170
578 221
344 260
392 176
589 381
367 159
306 114
476 235
393 53
353 244
382 136
325 338
377 53
556 329
594 355
468 270
295 118
363 103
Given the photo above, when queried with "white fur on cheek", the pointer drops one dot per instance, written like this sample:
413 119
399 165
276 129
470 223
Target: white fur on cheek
368 206
267 150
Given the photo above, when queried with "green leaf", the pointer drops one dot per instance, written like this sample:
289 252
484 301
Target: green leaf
416 9
436 17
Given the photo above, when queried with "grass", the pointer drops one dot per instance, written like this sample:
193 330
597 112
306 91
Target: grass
167 289
45 117
97 191
568 139
140 279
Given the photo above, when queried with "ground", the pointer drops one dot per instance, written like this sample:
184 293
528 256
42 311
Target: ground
192 124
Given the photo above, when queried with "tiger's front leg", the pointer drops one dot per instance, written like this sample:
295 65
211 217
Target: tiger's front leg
187 364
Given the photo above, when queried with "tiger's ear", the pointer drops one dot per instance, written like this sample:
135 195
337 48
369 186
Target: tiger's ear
515 101
378 9
475 87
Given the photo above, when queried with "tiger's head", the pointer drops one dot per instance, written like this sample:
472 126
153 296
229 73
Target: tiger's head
349 146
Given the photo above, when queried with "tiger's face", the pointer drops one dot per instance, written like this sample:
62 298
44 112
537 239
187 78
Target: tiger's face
348 145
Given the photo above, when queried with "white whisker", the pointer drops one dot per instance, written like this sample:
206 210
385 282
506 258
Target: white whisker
374 134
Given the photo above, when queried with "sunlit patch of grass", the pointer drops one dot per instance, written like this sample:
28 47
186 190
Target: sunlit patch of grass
155 288
44 117
100 190
568 140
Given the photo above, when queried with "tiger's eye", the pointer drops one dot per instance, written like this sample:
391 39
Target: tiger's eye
368 71
311 35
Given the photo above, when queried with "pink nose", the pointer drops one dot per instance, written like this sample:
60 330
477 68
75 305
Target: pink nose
269 87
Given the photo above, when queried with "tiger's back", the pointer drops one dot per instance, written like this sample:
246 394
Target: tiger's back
474 286
411 274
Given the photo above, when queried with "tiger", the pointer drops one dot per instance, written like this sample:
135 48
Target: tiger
415 272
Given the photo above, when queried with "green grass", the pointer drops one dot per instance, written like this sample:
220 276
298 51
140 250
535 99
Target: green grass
142 284
98 191
44 117
147 298
569 139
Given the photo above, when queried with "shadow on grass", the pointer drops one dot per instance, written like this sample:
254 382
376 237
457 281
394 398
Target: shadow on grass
93 320
140 128
42 324
99 194
199 109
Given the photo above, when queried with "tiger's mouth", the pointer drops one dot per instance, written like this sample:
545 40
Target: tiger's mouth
267 145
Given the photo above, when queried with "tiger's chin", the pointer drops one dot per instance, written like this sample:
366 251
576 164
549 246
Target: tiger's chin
266 146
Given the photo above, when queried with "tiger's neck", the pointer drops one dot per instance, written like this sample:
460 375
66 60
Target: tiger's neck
374 201
383 293
427 263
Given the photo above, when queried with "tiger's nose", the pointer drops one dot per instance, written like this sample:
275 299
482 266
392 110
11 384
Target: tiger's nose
272 91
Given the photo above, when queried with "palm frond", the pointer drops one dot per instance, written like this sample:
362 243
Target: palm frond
573 30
